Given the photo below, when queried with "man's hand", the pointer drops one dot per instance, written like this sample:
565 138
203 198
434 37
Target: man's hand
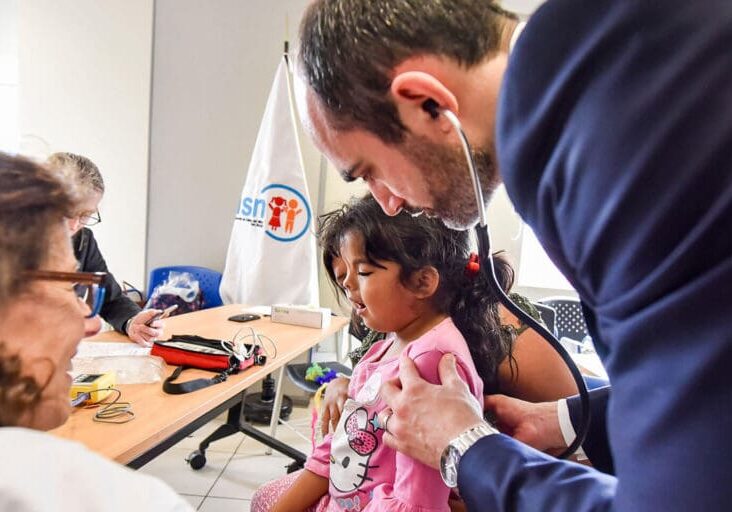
534 424
140 333
426 417
334 398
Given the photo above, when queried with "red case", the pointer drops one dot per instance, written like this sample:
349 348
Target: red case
177 356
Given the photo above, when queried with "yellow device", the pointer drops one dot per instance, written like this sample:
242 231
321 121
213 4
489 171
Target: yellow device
91 383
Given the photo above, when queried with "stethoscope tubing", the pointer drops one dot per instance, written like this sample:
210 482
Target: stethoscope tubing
482 233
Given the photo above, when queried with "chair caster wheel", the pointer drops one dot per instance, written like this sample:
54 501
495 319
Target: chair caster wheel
196 459
295 466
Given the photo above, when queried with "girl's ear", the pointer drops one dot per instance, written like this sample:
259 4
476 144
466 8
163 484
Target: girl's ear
424 282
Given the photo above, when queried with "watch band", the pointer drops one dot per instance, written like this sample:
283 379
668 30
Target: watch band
454 451
470 436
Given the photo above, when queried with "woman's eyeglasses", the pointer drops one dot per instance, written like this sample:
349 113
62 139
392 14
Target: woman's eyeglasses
87 285
90 219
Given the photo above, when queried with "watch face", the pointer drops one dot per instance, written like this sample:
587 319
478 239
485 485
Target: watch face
449 464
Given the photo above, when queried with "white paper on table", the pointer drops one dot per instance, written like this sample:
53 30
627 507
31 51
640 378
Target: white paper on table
89 349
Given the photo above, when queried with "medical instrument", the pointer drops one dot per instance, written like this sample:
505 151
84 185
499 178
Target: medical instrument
486 264
94 385
93 389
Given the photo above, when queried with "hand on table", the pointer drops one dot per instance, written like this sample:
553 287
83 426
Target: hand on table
140 333
334 398
425 417
535 424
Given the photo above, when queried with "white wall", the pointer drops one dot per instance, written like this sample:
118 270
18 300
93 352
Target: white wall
87 70
85 87
522 7
213 69
8 75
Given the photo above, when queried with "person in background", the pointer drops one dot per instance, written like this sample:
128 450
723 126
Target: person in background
118 310
41 324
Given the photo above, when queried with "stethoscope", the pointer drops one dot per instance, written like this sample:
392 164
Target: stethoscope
486 264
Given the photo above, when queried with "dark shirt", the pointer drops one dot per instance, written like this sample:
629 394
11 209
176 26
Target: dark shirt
614 139
117 308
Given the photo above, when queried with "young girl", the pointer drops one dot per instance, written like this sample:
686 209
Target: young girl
409 277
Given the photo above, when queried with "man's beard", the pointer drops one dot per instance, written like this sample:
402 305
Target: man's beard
448 180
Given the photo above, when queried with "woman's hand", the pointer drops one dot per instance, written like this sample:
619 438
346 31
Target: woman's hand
334 399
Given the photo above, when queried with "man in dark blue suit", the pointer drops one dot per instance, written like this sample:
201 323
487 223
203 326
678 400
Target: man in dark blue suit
613 131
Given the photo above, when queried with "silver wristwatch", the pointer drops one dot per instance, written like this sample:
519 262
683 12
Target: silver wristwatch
456 449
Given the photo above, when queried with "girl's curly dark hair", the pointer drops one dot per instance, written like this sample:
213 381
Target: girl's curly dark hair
418 242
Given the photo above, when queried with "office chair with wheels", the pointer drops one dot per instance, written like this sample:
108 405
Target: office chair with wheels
570 321
208 281
570 324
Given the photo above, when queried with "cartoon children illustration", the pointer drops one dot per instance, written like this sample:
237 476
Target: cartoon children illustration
274 221
292 212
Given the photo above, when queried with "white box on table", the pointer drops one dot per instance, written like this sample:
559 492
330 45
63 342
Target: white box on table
306 316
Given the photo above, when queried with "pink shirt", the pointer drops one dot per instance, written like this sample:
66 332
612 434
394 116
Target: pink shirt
364 473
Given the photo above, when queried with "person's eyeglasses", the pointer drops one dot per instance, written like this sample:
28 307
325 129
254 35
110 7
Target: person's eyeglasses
90 219
87 285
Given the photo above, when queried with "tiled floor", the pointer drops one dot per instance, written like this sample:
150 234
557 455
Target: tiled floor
235 466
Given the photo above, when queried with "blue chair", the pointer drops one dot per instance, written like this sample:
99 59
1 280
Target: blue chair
208 280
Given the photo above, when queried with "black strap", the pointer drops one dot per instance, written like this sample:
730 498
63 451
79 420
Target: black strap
192 385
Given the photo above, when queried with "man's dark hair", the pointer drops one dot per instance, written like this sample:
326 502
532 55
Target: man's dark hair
348 48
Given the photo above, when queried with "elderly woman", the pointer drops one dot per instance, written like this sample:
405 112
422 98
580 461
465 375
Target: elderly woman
123 314
41 323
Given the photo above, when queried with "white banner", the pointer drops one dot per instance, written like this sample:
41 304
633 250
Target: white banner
272 252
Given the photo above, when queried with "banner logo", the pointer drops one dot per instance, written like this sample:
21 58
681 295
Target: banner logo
282 211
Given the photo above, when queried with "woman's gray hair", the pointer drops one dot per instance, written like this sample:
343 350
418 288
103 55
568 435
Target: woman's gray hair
79 169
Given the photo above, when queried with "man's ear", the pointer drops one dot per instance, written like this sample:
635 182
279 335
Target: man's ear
410 90
424 282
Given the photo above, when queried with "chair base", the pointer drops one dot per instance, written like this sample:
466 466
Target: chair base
236 422
259 411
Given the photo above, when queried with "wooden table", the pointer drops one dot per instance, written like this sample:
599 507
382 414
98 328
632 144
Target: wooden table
161 420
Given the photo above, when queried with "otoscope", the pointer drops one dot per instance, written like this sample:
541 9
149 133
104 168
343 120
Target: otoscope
486 264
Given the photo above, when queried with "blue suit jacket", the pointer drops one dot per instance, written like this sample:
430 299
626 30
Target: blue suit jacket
614 139
595 445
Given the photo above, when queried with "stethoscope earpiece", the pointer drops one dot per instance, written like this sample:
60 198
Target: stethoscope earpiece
432 108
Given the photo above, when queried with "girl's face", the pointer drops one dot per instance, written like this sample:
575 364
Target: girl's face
375 291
